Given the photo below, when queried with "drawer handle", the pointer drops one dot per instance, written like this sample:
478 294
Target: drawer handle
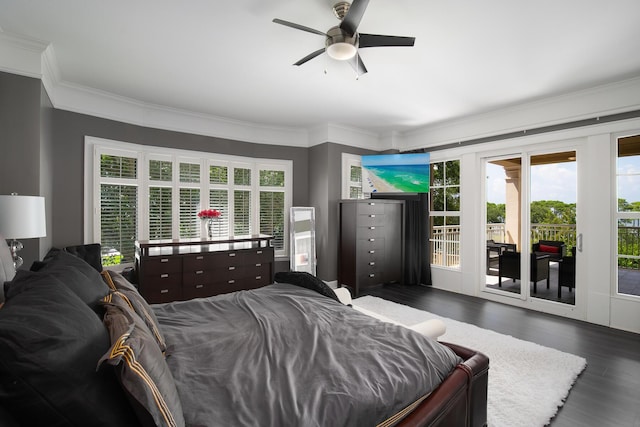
372 252
231 282
372 228
372 275
372 240
164 276
372 263
199 272
231 268
164 291
258 265
164 259
371 204
259 252
200 257
232 254
372 216
199 286
258 277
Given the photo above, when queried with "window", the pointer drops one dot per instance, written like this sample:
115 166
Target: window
445 213
151 193
352 177
628 215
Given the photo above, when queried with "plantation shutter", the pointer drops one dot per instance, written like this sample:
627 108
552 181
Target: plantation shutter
190 203
272 206
160 199
219 199
118 208
189 208
241 212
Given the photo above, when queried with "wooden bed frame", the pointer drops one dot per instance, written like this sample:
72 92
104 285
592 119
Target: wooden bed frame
461 399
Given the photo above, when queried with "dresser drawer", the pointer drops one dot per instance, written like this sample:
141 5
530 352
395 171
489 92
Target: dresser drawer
369 244
370 258
255 256
370 208
371 219
370 278
161 264
196 276
369 232
197 262
255 272
159 293
197 290
227 259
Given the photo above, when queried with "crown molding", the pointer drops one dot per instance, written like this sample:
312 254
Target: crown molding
22 56
610 98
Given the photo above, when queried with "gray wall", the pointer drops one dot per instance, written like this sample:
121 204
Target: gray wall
44 155
325 190
24 134
68 160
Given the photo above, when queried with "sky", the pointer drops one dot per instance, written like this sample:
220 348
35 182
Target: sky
557 181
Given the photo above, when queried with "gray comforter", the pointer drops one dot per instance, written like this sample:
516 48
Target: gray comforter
288 356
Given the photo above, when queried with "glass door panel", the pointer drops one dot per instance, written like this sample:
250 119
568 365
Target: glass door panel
552 228
503 224
628 183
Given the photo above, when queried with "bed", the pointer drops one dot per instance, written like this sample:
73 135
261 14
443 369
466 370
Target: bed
82 347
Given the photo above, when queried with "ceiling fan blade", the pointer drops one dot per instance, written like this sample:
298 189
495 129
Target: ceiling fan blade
310 56
357 65
299 27
354 16
376 40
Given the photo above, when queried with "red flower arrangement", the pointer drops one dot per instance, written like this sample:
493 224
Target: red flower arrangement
209 213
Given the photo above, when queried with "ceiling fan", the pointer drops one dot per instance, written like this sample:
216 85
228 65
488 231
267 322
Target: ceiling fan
343 41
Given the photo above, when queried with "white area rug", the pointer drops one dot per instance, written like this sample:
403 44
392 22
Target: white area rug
527 382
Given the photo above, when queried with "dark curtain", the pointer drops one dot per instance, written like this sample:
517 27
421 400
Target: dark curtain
417 256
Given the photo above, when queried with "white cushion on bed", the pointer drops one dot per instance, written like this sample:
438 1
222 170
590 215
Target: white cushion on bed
343 295
432 328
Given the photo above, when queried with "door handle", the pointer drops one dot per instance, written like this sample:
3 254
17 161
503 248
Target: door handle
579 242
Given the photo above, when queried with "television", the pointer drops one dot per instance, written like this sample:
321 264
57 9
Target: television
395 173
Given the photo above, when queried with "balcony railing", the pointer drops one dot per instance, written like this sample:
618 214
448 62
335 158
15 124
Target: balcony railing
445 241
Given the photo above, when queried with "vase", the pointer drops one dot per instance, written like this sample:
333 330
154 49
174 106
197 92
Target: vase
211 227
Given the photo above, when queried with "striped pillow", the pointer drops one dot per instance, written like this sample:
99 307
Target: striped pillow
128 292
140 367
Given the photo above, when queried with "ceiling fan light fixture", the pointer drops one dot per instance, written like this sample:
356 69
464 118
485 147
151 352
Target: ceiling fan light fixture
341 51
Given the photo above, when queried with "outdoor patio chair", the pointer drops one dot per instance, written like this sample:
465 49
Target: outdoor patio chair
567 272
555 249
509 266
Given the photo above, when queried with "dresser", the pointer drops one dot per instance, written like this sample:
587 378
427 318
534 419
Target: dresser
371 245
181 269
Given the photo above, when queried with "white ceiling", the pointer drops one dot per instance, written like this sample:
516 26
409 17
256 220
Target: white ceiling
229 60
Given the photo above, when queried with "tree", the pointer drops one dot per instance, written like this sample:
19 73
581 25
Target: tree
495 213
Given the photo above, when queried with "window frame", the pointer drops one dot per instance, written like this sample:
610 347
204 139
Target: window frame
95 147
445 214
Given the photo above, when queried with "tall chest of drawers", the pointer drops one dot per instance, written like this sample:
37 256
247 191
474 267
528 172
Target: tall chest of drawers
185 269
371 248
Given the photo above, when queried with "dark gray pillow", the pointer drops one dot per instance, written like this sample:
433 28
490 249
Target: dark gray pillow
50 342
306 280
141 368
75 273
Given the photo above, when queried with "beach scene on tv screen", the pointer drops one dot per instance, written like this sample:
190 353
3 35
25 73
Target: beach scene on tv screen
395 173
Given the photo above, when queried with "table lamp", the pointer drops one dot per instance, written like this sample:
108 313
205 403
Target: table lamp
21 217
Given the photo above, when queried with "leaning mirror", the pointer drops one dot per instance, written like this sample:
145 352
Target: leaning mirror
303 239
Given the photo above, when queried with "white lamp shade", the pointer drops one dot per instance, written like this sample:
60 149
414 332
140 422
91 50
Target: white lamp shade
22 217
341 51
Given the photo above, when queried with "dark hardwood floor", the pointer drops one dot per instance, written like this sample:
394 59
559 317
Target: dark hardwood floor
607 393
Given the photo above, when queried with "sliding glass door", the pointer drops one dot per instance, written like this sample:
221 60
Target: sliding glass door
530 226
